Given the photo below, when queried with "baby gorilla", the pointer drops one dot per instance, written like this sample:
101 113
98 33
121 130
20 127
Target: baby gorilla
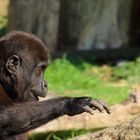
23 60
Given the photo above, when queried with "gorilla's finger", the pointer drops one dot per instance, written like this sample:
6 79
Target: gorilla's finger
97 105
93 107
106 107
88 109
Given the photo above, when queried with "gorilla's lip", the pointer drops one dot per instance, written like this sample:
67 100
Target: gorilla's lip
34 96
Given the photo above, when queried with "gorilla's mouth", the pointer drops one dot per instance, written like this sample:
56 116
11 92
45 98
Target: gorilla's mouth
35 97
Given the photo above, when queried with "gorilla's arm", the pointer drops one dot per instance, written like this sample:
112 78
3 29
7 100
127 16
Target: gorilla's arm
21 117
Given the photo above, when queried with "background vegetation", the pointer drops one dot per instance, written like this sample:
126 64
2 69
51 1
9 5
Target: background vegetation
84 79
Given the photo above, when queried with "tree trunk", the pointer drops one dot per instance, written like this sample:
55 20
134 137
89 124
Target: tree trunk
135 24
82 24
86 24
39 17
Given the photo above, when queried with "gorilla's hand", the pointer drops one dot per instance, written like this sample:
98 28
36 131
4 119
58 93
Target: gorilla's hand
79 105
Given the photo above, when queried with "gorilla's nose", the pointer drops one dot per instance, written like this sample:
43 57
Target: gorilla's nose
45 84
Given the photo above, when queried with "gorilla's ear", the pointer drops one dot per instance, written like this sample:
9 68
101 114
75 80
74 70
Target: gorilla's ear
13 64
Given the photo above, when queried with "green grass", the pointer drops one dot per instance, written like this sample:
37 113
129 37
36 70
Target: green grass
129 71
80 79
60 135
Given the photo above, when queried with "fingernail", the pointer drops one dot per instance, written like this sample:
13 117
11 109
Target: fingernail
109 111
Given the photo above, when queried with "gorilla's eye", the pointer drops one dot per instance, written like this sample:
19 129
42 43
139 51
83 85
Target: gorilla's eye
42 68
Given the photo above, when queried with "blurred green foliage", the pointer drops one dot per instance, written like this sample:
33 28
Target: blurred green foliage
70 78
60 135
3 25
129 71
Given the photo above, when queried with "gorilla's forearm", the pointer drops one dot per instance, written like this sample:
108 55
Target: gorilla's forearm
19 118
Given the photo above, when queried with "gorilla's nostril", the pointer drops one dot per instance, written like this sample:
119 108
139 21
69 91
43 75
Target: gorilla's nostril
45 84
